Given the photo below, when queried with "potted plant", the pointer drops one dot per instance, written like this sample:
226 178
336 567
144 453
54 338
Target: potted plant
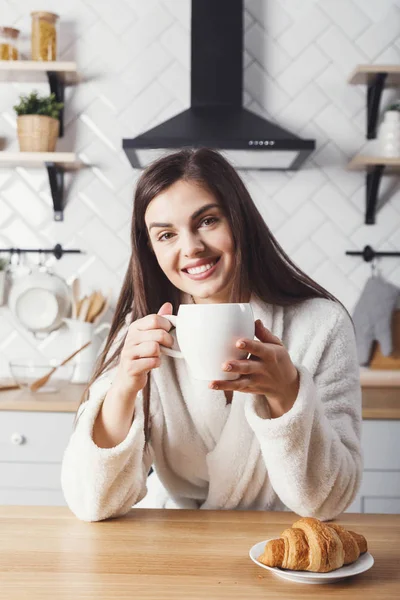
37 122
3 265
389 132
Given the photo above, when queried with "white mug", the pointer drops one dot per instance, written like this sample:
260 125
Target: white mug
207 335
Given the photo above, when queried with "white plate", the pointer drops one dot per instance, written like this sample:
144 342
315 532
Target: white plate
364 563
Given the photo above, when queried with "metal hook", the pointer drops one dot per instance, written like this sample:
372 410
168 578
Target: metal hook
374 267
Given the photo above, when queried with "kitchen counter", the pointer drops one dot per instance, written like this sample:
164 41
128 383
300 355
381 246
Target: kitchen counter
378 402
160 554
66 400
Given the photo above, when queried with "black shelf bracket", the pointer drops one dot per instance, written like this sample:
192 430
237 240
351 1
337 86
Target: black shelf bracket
56 180
373 180
57 87
375 88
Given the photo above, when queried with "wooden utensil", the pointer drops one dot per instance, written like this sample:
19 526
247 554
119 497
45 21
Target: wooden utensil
43 380
79 306
95 306
76 292
83 310
104 308
9 386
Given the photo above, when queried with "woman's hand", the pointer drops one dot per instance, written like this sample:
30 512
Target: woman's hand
141 351
269 372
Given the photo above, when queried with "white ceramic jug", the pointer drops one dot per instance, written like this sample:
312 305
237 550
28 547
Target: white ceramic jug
81 332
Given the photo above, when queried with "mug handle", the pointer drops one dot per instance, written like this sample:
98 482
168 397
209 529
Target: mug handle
169 351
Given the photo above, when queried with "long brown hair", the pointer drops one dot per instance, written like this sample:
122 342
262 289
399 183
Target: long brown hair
261 266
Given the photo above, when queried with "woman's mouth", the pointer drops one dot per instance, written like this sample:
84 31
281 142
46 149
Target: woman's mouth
202 272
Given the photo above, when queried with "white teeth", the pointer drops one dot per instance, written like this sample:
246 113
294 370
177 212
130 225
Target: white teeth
201 269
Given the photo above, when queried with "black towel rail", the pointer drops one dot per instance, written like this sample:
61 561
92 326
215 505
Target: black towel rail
369 253
58 251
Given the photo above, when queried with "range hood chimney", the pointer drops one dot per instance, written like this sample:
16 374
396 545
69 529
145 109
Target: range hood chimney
216 117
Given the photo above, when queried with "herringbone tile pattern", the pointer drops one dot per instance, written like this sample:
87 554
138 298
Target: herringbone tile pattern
134 57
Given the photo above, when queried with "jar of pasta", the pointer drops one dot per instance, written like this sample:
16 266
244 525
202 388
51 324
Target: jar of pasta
9 43
44 35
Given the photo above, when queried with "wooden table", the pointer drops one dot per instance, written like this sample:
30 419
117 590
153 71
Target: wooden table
46 553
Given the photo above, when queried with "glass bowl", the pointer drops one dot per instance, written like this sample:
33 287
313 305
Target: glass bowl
27 370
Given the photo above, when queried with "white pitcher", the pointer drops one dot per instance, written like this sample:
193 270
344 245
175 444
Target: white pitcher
80 333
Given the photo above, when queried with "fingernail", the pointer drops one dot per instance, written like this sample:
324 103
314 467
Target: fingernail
214 386
228 368
241 344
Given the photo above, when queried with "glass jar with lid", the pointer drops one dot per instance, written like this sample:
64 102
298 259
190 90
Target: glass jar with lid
44 35
9 43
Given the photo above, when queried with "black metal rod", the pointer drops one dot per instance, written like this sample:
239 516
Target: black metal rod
369 253
57 251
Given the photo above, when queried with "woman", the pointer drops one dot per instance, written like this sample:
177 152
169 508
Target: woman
286 434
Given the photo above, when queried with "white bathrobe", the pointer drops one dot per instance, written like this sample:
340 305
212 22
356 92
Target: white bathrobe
210 455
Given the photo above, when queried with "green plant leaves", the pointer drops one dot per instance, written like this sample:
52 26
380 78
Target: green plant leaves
33 104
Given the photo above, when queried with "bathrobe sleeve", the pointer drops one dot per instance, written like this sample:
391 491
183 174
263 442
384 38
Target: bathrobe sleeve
312 453
104 482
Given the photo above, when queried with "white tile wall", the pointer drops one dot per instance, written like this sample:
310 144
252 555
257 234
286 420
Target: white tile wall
135 59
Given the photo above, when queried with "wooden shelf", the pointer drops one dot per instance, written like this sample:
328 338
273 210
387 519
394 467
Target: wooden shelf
32 70
376 78
67 160
365 74
56 164
361 162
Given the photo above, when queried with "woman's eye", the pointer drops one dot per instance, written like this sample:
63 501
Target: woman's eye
164 237
209 221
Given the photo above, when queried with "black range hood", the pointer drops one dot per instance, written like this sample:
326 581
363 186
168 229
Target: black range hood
216 117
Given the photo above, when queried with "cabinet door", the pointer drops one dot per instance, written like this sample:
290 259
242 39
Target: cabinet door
380 486
381 445
386 506
34 436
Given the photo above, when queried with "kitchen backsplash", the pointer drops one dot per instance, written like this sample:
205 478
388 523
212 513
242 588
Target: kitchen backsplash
134 57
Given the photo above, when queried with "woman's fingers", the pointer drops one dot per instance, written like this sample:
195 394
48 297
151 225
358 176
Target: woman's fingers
144 350
237 385
244 367
141 365
151 322
154 335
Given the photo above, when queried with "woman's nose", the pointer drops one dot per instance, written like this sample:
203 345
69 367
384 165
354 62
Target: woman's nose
192 245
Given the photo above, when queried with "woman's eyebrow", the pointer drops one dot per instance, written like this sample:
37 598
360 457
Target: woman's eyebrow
194 216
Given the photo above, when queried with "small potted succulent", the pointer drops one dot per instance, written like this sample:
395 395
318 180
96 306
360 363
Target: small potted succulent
389 131
3 265
37 122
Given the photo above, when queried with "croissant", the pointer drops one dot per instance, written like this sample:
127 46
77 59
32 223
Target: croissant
310 545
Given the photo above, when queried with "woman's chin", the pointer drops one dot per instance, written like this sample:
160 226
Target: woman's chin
212 293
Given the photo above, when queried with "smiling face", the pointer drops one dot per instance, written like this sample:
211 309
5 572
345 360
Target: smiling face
192 241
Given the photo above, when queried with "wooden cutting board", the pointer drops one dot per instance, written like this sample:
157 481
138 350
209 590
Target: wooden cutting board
379 361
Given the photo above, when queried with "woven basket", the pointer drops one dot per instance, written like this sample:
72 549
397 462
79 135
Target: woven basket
37 133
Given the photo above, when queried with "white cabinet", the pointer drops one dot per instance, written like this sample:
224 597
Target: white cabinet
380 486
31 450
